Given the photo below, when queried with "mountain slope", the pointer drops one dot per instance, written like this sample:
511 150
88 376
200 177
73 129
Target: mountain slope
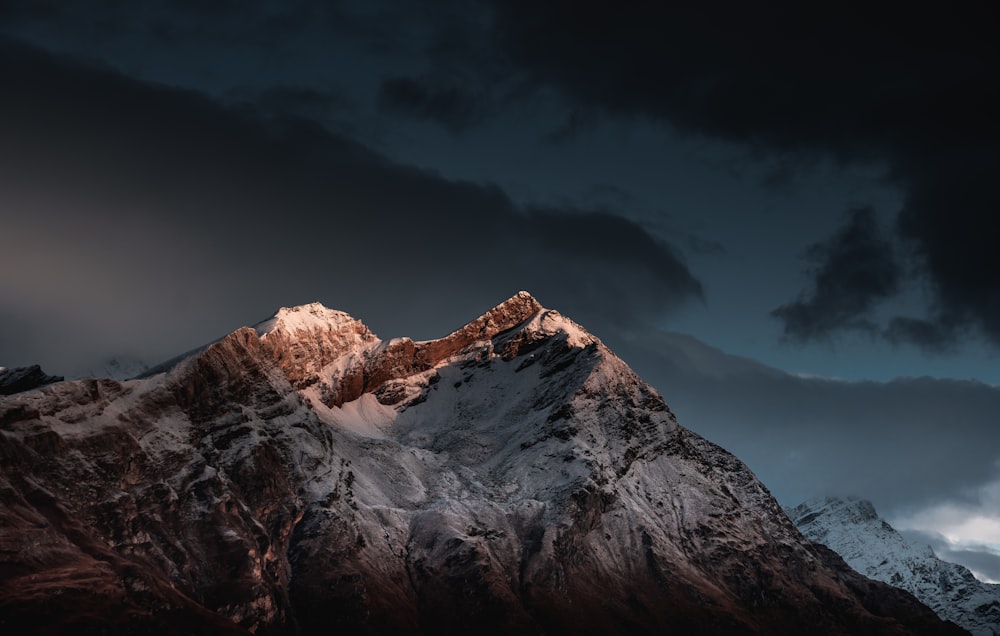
871 546
306 476
21 379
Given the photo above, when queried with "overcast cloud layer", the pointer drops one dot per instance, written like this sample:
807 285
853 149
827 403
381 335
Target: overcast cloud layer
913 87
912 90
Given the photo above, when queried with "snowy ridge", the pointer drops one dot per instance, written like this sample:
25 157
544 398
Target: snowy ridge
852 528
304 318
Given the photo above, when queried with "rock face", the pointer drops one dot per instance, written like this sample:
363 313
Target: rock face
853 529
20 379
304 476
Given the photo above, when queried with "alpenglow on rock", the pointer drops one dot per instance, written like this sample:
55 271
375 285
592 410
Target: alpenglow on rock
304 476
851 528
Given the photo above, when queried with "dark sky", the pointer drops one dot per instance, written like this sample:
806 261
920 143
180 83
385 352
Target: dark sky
811 188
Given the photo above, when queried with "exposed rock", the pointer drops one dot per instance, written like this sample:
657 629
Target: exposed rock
21 379
305 477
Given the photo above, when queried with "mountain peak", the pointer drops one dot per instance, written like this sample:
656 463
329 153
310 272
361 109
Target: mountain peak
308 317
305 339
854 509
520 296
507 315
523 309
851 527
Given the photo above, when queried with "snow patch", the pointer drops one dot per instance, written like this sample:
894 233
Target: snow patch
313 316
549 322
364 416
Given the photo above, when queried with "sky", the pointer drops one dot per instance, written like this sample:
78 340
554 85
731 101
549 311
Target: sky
812 194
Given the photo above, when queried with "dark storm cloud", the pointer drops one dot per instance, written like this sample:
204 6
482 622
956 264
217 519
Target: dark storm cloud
333 108
452 107
605 237
932 336
953 220
701 245
914 88
854 270
982 559
299 101
25 10
155 207
578 121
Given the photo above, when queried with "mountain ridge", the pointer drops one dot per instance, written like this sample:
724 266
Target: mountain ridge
852 527
20 379
514 475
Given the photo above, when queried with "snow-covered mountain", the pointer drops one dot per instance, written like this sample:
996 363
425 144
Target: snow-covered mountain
851 527
305 476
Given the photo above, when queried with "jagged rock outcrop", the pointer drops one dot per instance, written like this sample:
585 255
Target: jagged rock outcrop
304 476
852 528
20 379
316 345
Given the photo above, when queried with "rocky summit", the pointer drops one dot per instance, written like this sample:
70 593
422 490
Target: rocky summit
303 476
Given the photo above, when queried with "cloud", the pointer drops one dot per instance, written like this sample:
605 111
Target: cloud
966 532
605 237
576 123
905 444
25 10
453 107
746 73
926 451
913 90
298 101
951 218
701 245
152 220
928 335
982 560
855 269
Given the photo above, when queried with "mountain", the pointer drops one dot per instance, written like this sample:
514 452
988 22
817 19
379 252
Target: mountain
805 435
871 546
19 379
305 476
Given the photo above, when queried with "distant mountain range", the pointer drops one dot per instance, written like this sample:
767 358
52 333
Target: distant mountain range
851 528
20 379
